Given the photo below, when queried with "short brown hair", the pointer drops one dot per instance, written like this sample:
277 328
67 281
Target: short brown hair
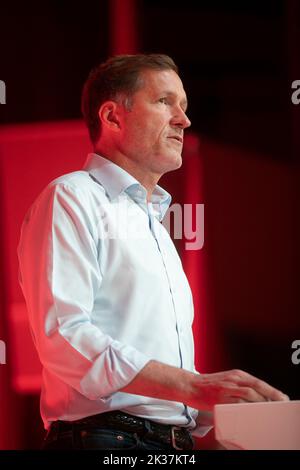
119 75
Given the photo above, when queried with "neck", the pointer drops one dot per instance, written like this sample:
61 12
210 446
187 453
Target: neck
147 179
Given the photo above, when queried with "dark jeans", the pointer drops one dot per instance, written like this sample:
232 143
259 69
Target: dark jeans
99 438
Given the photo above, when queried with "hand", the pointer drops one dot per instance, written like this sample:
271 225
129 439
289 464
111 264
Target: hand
233 386
200 391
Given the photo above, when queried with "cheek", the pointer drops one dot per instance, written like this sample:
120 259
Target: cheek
144 130
147 134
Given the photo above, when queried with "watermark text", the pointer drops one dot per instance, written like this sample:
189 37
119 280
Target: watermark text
2 352
184 221
2 92
296 94
296 354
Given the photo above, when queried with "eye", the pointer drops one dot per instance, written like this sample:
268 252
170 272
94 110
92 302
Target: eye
163 100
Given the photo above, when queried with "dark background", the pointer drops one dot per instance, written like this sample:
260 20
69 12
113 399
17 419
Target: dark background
237 60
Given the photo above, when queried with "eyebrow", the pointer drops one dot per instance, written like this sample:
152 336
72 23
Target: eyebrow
184 101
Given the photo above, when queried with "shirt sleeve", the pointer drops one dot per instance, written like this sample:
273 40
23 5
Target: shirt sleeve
204 423
60 275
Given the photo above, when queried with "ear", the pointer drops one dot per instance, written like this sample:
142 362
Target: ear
109 115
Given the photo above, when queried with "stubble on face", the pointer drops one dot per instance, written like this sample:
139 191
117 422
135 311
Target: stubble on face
153 134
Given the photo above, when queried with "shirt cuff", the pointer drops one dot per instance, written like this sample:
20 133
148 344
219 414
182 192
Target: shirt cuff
204 423
111 373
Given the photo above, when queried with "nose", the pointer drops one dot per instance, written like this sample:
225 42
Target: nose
180 119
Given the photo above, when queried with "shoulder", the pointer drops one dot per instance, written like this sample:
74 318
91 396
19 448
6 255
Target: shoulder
73 198
76 181
75 191
78 184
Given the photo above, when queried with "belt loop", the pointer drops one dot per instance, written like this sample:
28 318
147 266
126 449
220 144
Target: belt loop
173 437
148 427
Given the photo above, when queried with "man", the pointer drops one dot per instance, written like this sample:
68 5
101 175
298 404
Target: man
110 307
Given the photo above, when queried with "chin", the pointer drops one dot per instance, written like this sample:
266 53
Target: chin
173 162
177 159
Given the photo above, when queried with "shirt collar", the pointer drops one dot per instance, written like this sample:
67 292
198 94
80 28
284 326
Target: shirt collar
116 180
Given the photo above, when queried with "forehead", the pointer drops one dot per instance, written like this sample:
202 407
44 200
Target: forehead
162 81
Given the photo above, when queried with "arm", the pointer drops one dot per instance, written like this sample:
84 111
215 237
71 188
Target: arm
60 277
200 391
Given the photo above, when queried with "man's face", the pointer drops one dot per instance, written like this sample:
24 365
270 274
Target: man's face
152 131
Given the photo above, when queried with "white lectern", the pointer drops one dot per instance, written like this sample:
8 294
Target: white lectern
258 426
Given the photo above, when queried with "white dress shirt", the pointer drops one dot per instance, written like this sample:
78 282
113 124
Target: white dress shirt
105 292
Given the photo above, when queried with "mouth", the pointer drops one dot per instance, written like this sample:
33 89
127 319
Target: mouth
176 138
